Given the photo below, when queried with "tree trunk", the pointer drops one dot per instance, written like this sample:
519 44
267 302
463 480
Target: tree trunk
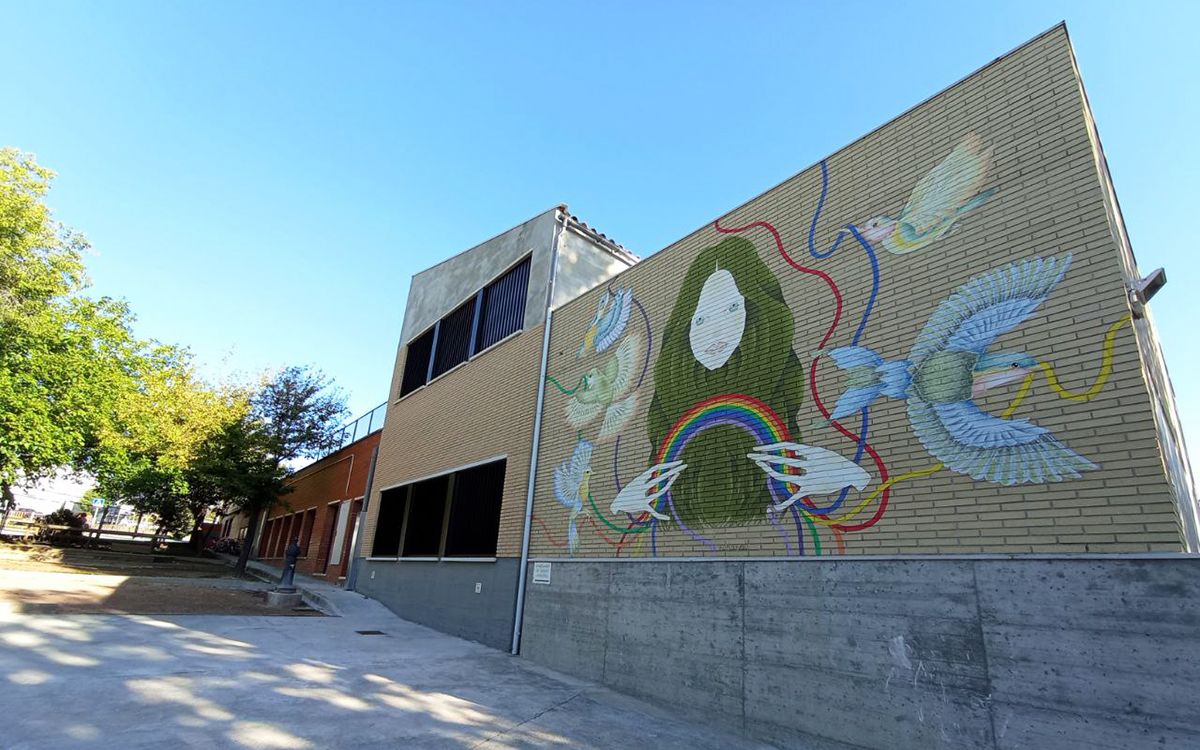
248 542
100 527
7 499
199 513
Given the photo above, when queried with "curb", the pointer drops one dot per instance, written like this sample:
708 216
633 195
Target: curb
268 574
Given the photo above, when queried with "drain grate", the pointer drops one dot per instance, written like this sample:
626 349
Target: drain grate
370 632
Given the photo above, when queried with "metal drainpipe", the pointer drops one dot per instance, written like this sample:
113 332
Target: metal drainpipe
519 614
356 541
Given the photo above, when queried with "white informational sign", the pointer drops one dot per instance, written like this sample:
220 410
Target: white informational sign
541 572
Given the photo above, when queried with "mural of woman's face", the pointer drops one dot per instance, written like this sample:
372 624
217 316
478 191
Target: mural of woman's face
719 320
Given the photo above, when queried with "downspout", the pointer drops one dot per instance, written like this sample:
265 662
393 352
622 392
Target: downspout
519 614
356 541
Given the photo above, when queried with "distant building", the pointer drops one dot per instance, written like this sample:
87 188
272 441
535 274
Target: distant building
322 510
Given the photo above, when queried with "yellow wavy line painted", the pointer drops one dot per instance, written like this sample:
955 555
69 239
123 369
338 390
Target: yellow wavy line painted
1051 379
1047 369
1008 412
1105 367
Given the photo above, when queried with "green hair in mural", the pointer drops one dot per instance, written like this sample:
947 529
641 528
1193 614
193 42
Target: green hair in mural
730 332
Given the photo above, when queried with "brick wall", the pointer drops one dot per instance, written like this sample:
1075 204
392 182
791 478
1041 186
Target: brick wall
480 410
311 510
1020 125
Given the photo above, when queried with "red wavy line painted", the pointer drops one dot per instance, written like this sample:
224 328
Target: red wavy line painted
812 381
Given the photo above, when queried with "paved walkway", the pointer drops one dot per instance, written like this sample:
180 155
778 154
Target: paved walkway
296 683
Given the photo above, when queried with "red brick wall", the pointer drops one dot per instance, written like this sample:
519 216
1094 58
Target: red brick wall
310 511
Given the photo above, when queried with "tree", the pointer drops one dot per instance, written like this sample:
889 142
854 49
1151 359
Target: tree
148 455
294 414
63 357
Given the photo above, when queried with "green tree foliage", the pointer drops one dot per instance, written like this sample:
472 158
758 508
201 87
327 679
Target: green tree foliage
148 453
63 356
79 390
294 414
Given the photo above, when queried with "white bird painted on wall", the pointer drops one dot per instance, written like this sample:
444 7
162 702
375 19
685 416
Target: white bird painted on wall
571 487
612 315
941 198
601 389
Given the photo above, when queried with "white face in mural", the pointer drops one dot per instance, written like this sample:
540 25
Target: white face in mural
719 320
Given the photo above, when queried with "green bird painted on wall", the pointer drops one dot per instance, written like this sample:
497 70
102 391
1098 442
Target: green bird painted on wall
940 199
602 389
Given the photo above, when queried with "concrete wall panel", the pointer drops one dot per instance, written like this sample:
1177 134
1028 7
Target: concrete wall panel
919 653
442 595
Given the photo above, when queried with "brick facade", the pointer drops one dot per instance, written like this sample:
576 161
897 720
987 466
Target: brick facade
312 510
483 409
1017 178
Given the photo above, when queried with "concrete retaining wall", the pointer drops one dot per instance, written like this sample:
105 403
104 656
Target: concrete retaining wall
442 595
898 653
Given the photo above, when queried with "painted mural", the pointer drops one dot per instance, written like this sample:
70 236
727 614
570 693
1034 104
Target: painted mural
951 189
733 392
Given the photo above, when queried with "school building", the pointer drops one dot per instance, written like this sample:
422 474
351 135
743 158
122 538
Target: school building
885 457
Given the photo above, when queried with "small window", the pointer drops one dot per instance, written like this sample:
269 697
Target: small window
503 308
416 363
475 511
454 339
426 514
390 522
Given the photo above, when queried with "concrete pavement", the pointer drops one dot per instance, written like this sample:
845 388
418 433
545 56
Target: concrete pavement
200 681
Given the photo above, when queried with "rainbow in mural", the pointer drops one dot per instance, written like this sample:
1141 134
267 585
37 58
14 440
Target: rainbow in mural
735 409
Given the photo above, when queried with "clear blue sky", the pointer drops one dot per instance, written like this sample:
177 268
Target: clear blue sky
260 180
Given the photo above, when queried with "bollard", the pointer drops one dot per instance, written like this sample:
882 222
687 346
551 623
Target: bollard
285 594
286 581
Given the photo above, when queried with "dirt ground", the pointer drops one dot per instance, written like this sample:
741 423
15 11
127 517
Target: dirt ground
36 579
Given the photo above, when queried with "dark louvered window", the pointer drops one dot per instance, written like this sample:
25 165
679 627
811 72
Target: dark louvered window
454 339
503 310
426 516
494 313
392 504
452 515
416 364
475 511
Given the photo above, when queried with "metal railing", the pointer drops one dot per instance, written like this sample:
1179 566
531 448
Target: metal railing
363 426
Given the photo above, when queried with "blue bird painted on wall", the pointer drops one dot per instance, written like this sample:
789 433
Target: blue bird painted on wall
612 315
571 487
940 199
950 366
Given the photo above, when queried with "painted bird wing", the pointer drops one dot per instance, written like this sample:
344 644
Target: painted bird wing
569 474
626 358
612 325
566 487
1007 451
988 305
953 182
580 413
617 415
